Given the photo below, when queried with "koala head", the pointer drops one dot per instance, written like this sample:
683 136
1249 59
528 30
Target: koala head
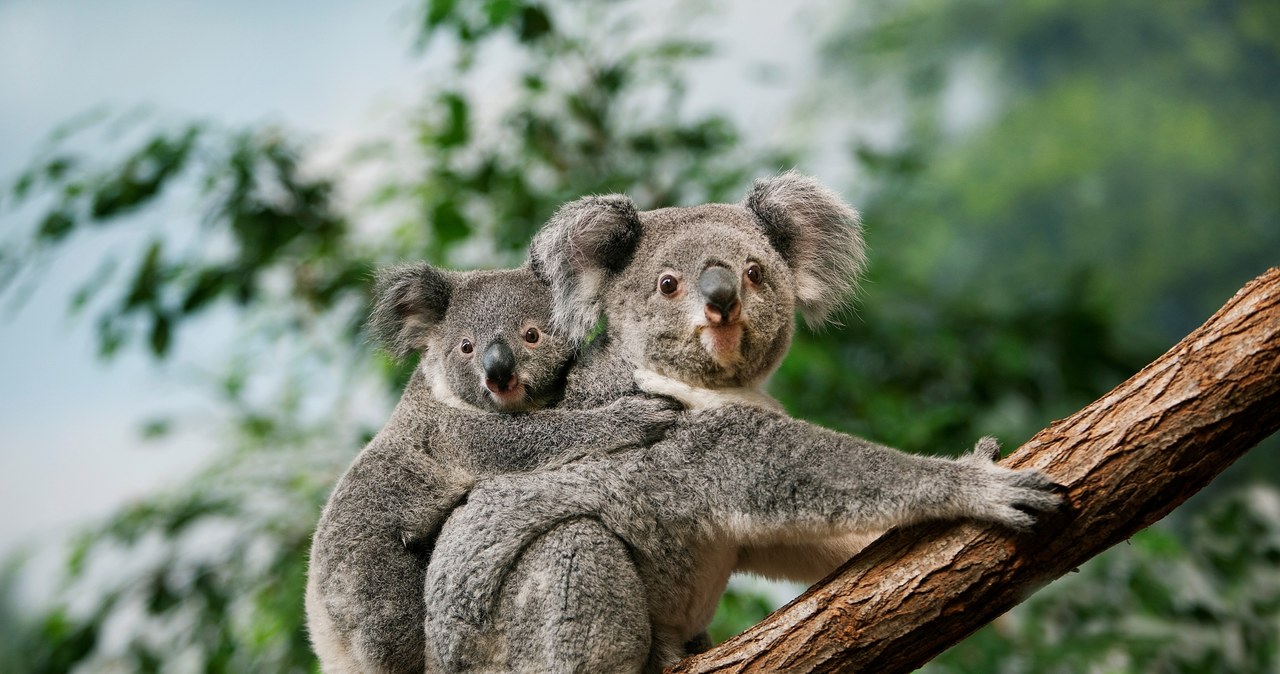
485 336
704 294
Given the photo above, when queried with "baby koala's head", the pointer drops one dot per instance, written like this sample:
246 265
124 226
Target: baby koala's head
484 335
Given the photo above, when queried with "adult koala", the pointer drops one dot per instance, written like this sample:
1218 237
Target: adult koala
613 564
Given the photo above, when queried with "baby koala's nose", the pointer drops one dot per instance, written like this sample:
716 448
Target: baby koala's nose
499 367
719 287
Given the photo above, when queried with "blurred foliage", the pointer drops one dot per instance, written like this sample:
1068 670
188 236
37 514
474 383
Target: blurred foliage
261 219
932 376
1108 163
739 609
1110 182
1207 603
1138 144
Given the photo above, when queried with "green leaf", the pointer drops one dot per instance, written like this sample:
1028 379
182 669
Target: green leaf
143 175
161 334
457 126
145 288
499 12
448 225
57 167
23 185
55 226
80 547
438 12
110 336
157 428
209 283
535 23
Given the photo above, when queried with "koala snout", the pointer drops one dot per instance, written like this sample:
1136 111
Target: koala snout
719 287
499 364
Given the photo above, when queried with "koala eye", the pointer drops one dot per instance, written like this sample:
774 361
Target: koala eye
668 284
466 346
754 273
532 335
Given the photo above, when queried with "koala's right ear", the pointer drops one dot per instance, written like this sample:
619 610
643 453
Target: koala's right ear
409 301
584 243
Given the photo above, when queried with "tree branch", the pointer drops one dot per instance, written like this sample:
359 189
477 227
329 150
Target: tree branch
1126 461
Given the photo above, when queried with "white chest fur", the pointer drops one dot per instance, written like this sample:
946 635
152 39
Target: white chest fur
697 398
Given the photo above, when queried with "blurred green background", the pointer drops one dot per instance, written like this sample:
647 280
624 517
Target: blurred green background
1055 192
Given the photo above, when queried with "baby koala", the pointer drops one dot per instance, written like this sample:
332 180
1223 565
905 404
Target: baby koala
473 407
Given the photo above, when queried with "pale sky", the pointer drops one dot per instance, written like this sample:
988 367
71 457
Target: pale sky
69 450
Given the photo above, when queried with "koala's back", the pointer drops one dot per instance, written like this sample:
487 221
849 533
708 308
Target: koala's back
599 588
358 614
652 571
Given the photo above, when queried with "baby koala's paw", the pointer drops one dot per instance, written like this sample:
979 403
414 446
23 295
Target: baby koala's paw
643 419
1010 497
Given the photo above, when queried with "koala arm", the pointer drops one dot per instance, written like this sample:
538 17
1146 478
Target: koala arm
499 443
790 481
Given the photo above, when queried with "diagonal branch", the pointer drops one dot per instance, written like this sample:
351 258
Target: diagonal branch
1126 461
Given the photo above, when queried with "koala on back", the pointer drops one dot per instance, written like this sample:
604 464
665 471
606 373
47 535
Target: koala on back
474 406
615 563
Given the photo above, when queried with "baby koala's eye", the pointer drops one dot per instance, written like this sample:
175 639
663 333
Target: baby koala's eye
754 273
466 346
532 335
668 284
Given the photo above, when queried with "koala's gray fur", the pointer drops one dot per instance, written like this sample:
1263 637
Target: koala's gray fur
370 550
613 563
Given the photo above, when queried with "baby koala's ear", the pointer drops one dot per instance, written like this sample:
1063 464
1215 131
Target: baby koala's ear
576 252
818 234
409 301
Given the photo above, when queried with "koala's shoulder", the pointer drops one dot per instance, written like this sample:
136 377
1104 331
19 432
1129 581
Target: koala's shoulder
601 376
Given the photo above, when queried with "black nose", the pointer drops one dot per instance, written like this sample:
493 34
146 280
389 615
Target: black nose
499 364
719 287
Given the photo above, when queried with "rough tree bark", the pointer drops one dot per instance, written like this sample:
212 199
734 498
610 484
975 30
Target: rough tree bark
1126 461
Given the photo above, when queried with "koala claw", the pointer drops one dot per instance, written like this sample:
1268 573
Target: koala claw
1010 497
988 446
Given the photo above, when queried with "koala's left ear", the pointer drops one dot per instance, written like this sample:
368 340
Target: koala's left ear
577 251
818 235
409 301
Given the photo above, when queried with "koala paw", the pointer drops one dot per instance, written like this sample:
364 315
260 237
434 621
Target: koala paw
1006 496
643 419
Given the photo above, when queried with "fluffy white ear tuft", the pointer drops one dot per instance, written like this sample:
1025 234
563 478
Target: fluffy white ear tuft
578 251
818 234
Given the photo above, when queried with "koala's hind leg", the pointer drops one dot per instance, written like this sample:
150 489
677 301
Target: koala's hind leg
575 603
332 651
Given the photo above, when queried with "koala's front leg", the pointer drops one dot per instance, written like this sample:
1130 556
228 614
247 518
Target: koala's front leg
785 480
